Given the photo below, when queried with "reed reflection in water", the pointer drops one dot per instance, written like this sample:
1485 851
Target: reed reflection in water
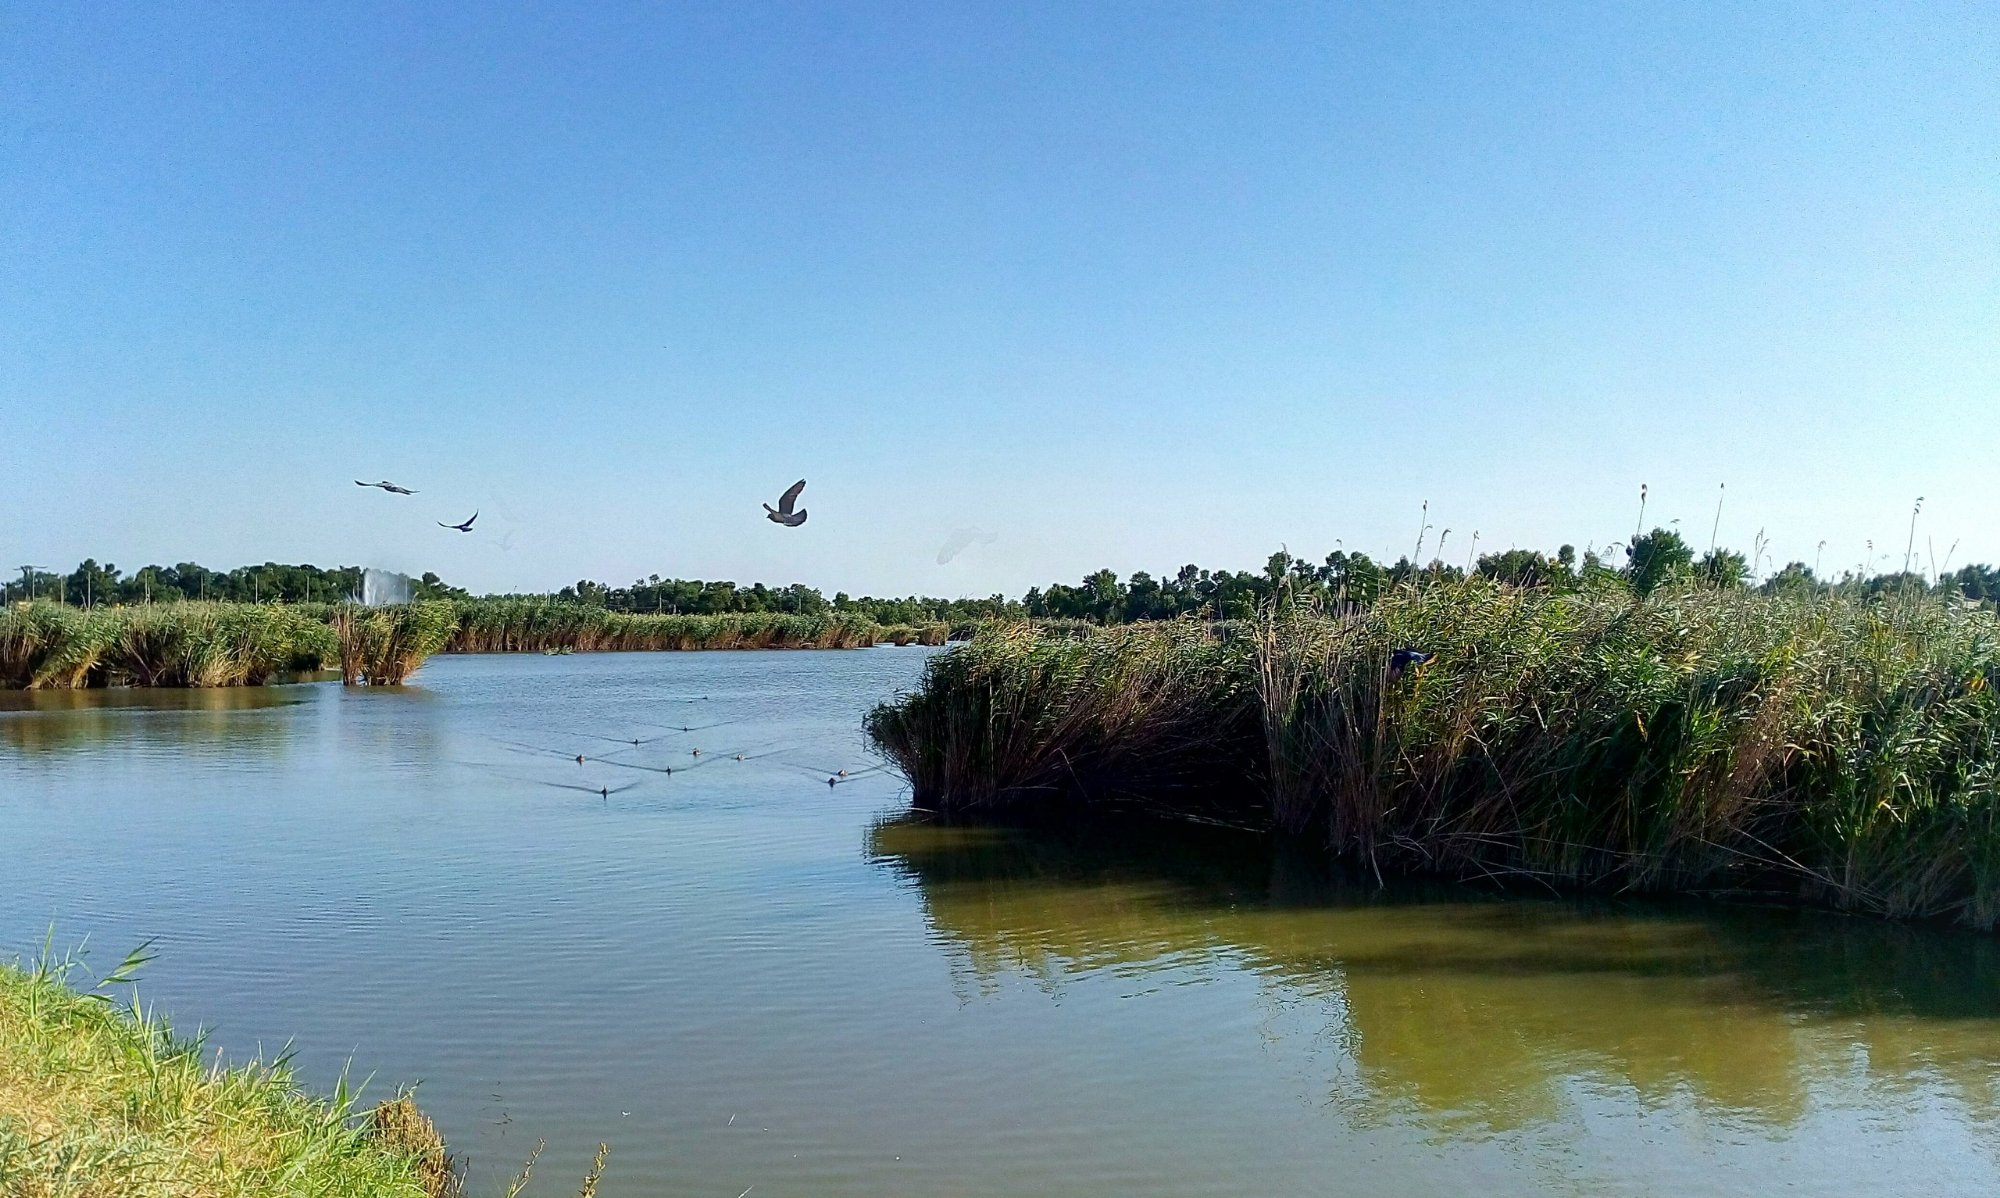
1474 1016
59 721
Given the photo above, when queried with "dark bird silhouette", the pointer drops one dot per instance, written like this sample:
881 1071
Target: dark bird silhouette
386 485
465 527
1403 659
783 513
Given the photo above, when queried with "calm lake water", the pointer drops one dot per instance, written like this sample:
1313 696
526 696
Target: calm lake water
739 976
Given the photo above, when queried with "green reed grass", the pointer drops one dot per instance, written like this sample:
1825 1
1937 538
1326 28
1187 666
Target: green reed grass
46 645
49 646
383 646
1814 749
532 625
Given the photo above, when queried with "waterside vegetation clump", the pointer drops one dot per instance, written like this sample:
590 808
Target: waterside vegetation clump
49 646
1804 747
102 1099
383 646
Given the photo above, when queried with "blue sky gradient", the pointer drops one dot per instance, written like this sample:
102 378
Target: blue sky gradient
1126 285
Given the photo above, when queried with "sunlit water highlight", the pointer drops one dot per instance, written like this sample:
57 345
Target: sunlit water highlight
740 976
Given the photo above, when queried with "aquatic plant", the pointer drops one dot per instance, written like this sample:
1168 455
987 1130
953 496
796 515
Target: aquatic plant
48 646
1016 718
383 646
1820 748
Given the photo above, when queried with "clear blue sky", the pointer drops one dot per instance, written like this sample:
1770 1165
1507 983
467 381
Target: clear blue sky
1125 285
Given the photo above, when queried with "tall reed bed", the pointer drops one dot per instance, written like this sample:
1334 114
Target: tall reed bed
49 646
383 646
1811 749
532 625
1157 714
199 644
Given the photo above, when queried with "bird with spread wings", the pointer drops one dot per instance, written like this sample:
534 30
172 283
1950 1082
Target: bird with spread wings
783 513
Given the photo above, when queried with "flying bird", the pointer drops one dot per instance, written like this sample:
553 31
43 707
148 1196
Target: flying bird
465 527
783 513
386 485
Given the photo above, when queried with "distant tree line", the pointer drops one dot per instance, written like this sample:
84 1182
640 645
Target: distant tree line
693 596
92 584
1650 561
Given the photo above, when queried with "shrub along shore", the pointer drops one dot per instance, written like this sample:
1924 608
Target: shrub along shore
50 646
1816 749
103 1100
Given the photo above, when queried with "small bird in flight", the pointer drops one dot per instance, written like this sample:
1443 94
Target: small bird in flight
783 513
386 485
465 527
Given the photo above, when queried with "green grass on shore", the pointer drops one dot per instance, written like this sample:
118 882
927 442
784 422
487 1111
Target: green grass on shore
1804 749
100 1099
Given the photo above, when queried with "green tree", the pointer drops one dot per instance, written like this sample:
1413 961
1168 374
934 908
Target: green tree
1656 558
1522 568
1795 579
1723 568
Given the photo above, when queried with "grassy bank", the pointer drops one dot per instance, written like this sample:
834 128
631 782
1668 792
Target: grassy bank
48 646
100 1101
1808 749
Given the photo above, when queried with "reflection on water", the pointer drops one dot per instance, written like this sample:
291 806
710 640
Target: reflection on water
53 721
1466 1010
742 977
